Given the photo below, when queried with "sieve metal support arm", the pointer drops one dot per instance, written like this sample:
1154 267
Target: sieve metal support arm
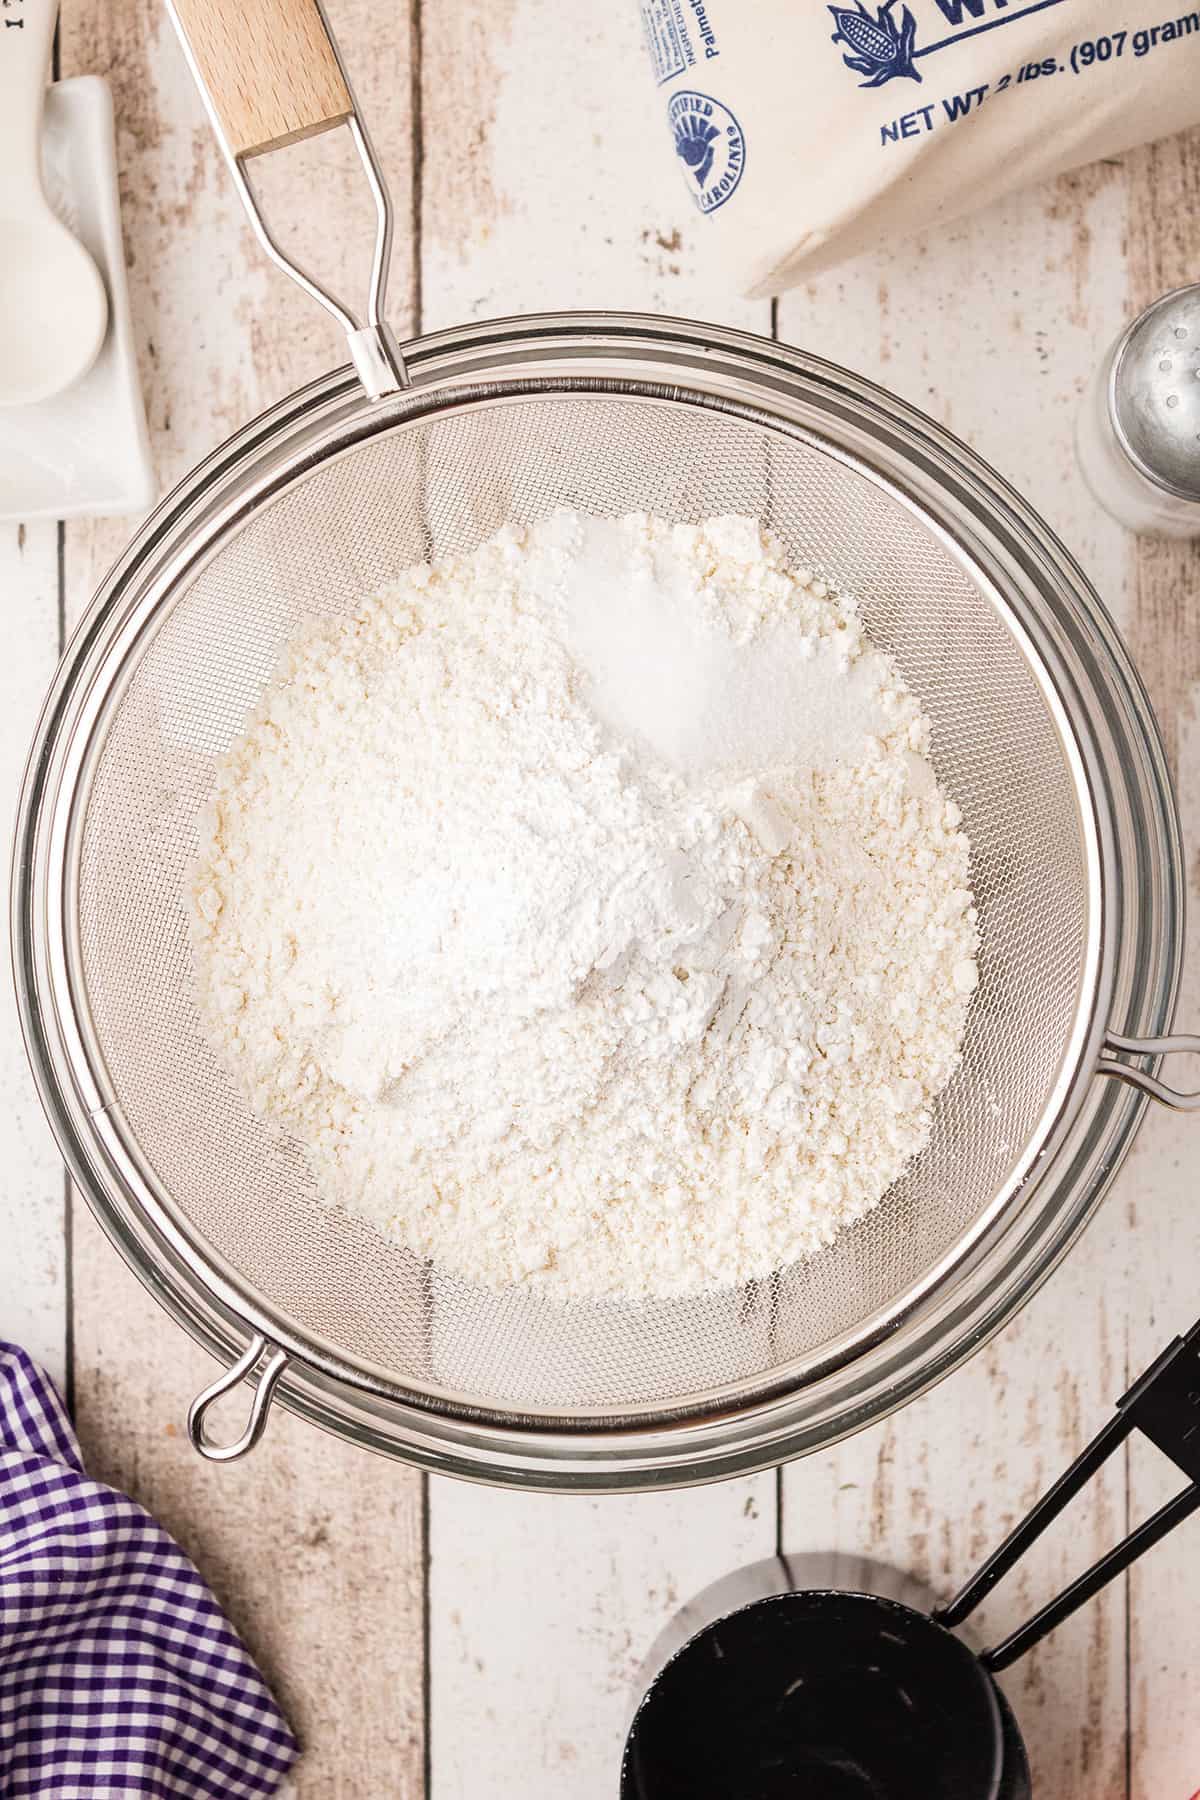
1164 1405
268 77
277 1362
1117 1048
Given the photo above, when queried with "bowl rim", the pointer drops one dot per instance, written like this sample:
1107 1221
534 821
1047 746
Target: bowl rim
1137 929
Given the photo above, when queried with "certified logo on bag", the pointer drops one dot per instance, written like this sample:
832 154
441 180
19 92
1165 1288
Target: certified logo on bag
875 45
709 143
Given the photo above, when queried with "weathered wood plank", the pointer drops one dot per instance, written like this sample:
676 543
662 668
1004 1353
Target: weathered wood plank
546 182
1159 1190
543 1609
33 1260
993 327
316 1548
545 187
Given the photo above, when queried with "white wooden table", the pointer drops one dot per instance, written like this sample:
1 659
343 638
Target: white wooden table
428 1638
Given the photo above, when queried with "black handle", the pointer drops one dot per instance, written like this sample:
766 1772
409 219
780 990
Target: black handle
1164 1405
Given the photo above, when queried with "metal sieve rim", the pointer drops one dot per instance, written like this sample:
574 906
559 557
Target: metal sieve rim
136 1169
731 372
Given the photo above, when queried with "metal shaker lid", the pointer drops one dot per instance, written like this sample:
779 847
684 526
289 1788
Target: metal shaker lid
1154 392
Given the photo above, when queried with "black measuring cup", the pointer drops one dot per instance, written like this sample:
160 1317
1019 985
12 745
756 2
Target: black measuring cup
818 1691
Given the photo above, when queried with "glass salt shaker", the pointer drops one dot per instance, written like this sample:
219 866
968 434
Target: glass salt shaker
1138 435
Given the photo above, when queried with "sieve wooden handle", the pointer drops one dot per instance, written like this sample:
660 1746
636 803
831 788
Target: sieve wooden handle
268 68
270 74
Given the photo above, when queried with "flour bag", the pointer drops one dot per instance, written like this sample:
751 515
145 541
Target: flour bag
807 132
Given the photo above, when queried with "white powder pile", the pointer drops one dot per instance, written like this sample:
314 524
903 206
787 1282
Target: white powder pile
587 908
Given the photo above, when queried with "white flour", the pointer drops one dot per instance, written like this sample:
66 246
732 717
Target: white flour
587 908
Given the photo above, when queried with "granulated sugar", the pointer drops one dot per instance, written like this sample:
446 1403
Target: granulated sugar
727 675
587 908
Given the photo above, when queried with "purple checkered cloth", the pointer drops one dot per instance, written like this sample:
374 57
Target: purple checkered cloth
119 1674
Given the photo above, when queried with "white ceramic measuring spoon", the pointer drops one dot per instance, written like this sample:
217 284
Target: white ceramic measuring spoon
52 300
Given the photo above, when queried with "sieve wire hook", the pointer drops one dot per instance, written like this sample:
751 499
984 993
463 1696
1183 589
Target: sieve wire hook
263 1394
1116 1046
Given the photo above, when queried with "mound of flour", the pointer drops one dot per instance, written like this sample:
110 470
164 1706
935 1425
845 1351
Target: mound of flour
587 908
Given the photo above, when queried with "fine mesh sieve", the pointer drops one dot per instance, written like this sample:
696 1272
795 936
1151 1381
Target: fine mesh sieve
428 488
1039 733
